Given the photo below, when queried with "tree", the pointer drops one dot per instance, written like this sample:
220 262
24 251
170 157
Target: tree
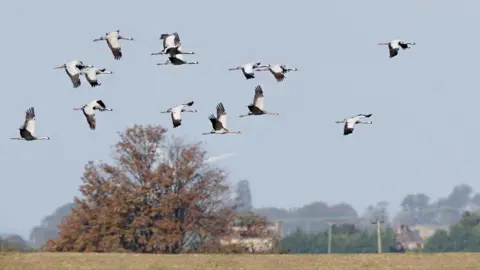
476 200
48 228
345 239
462 237
460 196
158 197
244 196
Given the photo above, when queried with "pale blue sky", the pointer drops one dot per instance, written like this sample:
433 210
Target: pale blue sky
424 136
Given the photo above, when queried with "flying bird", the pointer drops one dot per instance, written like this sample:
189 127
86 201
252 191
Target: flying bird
395 45
350 122
172 45
248 69
73 69
219 123
256 108
91 75
278 71
27 130
177 60
113 41
89 111
176 113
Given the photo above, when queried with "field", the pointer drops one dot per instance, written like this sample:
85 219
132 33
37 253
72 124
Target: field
64 261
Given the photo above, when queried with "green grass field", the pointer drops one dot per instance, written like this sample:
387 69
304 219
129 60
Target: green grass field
64 261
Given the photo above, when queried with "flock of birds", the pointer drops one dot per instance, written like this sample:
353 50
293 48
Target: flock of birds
172 48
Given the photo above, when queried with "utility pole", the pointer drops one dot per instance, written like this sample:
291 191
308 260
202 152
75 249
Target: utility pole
379 233
330 236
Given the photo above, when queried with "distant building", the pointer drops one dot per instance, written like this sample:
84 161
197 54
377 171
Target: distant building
409 239
273 233
426 231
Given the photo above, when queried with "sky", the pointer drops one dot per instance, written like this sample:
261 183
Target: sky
424 136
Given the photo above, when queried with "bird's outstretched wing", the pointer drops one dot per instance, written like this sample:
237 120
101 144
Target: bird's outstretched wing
222 114
348 127
258 98
91 121
393 53
29 123
176 39
176 116
91 76
365 115
216 125
101 104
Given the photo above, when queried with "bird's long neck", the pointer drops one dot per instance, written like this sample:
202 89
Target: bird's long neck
364 122
233 131
78 109
42 138
190 111
245 115
272 113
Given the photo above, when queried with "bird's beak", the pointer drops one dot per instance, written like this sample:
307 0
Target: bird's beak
58 67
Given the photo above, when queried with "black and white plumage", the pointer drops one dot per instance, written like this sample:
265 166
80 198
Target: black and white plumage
278 71
73 69
91 75
177 60
113 42
256 108
395 45
176 113
89 111
219 123
350 122
172 45
248 69
27 130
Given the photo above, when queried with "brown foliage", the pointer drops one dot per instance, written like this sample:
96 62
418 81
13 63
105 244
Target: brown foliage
159 197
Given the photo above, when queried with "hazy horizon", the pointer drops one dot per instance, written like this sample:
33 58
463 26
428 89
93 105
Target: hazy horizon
421 140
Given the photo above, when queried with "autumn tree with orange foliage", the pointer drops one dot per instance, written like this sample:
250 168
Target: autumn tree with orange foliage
160 196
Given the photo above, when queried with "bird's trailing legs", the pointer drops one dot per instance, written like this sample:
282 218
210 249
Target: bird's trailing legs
185 63
99 109
264 113
222 132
